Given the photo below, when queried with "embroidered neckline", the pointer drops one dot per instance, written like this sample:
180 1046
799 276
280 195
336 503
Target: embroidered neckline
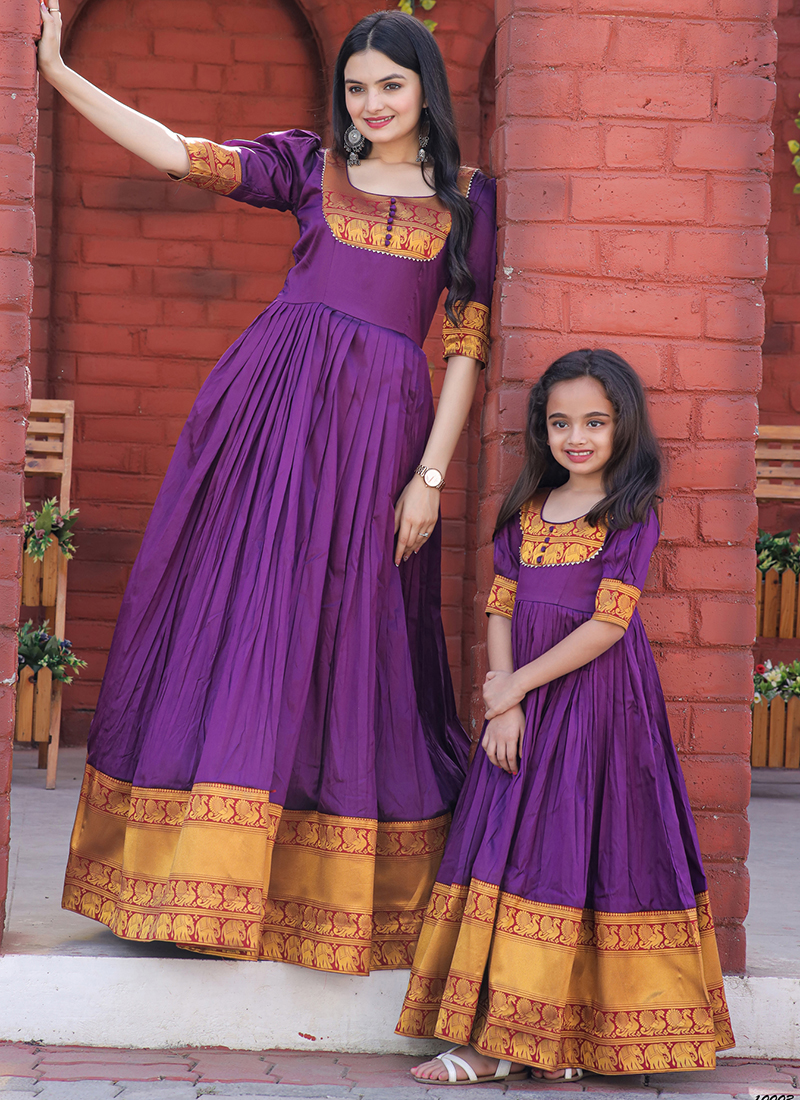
414 228
568 543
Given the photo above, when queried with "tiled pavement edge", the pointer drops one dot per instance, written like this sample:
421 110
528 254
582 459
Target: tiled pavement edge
83 1073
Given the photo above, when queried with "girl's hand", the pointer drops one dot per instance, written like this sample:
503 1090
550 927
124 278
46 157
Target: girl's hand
501 692
415 516
49 47
502 739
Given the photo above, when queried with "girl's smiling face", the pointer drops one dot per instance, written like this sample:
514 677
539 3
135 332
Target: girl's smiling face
580 426
385 100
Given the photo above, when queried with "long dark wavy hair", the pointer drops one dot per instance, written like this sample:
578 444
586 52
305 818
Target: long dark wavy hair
632 475
411 45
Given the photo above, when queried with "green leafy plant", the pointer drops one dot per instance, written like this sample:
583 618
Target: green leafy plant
40 528
410 6
770 680
794 149
777 552
38 649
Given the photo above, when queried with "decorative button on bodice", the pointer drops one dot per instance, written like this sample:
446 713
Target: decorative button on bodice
390 221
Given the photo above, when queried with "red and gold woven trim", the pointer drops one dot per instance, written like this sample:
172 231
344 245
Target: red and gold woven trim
502 597
414 228
212 167
221 870
557 543
552 986
471 337
616 602
418 229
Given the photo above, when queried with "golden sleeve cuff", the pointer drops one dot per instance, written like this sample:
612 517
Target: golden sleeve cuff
502 597
471 337
212 167
616 602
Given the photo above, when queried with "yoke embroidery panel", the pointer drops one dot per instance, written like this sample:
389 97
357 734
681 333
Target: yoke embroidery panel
557 543
415 229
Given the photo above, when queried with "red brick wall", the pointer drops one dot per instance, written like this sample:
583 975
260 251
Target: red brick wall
634 150
17 246
151 281
148 282
779 400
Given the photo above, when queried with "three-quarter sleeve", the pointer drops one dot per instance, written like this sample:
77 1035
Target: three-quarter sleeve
269 171
626 559
471 336
506 569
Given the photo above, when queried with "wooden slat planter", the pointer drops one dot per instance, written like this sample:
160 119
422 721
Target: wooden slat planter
776 734
777 604
34 706
48 452
40 578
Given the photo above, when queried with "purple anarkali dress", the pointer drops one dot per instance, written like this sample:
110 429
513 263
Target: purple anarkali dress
276 749
569 924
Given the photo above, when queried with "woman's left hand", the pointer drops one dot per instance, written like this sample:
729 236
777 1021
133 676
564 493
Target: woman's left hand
415 516
501 692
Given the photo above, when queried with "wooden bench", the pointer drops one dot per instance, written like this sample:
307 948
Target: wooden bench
778 462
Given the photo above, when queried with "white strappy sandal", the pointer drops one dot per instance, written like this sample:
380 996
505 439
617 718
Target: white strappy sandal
569 1075
450 1061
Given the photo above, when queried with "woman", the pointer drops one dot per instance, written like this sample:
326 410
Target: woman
276 751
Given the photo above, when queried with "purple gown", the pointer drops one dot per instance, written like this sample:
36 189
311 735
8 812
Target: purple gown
569 924
276 750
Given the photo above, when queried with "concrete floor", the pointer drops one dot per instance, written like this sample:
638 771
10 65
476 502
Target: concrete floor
41 822
773 922
65 977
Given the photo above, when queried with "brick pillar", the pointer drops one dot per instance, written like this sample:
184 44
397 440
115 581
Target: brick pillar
18 21
633 151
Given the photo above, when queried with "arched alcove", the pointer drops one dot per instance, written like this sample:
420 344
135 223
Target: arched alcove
152 280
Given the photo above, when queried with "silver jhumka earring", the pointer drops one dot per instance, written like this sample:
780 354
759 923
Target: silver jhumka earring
356 143
424 138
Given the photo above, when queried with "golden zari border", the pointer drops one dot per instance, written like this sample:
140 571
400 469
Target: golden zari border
471 337
212 167
502 597
415 228
616 602
221 870
553 987
557 543
418 229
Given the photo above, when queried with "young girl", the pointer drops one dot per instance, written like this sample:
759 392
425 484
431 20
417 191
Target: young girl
569 928
276 750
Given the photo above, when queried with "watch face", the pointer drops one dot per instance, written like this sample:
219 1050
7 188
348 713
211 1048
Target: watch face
432 478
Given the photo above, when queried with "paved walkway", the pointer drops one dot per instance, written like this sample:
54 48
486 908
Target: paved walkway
81 1073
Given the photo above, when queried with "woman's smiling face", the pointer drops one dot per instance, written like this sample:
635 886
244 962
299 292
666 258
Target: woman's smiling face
384 100
580 425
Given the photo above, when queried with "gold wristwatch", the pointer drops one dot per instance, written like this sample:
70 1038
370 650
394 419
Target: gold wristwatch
432 478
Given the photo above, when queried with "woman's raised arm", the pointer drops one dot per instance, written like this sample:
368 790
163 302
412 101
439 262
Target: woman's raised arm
143 136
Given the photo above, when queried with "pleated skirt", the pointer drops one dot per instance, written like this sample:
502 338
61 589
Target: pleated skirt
276 750
570 923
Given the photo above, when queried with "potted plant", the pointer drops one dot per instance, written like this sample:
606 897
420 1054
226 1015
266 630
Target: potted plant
42 659
776 715
45 534
778 566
